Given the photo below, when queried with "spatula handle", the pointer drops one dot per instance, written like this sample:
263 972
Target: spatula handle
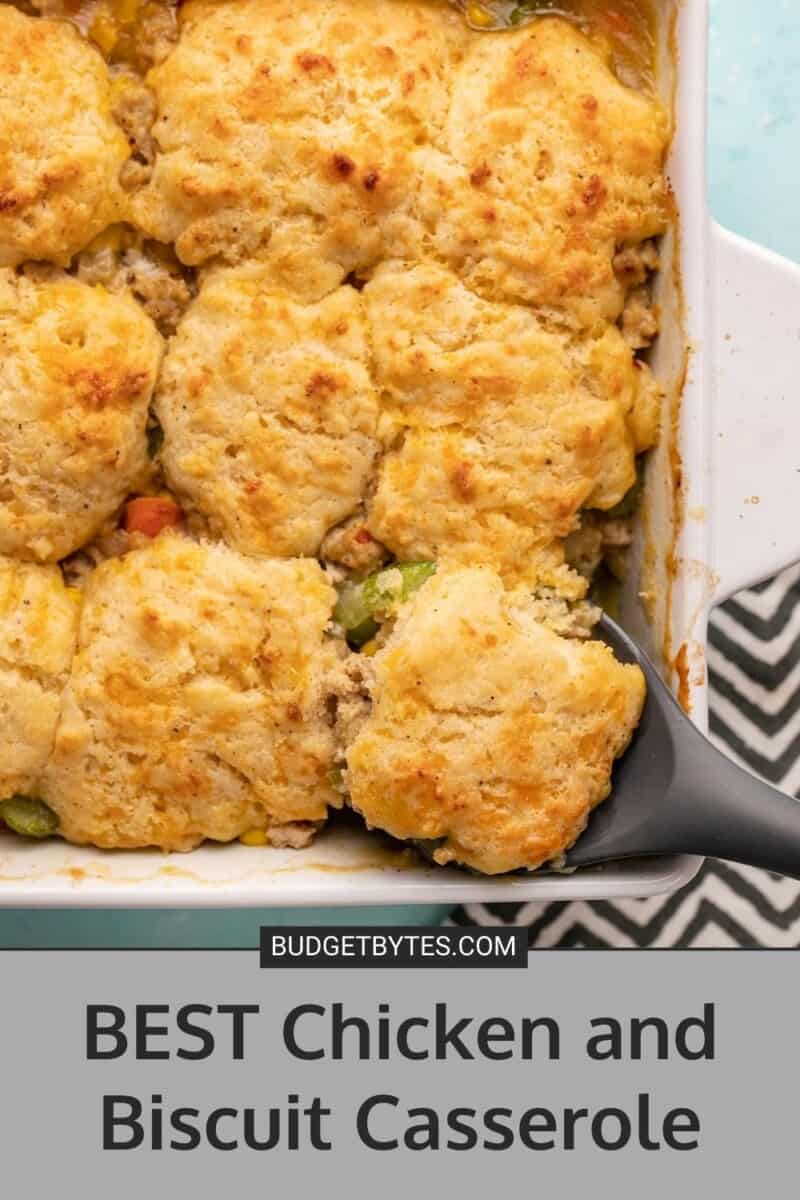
717 809
678 794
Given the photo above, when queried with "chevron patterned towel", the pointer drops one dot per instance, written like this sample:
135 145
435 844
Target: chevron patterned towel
754 667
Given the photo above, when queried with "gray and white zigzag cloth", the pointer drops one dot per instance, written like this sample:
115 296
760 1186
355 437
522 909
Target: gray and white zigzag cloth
754 665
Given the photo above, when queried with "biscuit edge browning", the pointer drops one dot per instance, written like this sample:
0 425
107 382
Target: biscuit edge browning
157 728
499 429
38 634
489 735
317 111
269 411
60 149
76 378
552 165
197 704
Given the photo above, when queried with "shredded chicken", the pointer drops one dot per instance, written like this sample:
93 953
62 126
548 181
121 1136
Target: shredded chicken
350 687
146 269
135 111
633 265
617 533
584 547
600 539
295 836
640 319
112 542
157 33
570 620
351 545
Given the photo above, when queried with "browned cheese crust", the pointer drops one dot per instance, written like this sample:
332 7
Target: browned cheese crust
77 370
550 165
60 150
389 130
269 412
499 429
38 628
400 274
196 706
272 110
489 734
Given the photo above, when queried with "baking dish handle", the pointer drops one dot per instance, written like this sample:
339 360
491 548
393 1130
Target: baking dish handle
756 435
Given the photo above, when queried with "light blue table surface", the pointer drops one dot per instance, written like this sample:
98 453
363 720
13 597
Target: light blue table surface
755 190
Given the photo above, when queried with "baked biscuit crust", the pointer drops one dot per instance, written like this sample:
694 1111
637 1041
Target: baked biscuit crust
273 109
77 370
196 707
499 429
550 164
403 270
60 149
269 412
38 630
488 733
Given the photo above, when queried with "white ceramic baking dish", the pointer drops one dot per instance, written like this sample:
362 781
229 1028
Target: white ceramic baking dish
737 309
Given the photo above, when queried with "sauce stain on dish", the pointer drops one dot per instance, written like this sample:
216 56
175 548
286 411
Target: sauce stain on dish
690 669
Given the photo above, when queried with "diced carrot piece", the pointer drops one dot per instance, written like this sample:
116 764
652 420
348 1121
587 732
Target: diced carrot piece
617 21
150 514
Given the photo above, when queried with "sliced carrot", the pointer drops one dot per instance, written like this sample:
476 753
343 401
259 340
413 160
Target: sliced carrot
150 514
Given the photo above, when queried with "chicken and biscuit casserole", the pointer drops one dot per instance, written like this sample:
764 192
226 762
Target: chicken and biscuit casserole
323 402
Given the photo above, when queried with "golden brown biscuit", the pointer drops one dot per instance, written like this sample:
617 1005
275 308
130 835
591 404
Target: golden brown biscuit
77 370
488 733
60 149
550 165
272 109
38 628
269 413
196 707
508 184
499 429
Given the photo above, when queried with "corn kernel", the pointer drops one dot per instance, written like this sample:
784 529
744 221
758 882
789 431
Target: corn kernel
370 648
254 837
103 32
480 15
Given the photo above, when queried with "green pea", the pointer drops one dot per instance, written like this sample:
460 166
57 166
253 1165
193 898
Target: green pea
353 614
29 817
362 606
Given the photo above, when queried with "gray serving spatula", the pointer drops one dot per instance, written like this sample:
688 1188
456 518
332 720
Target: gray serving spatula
675 793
